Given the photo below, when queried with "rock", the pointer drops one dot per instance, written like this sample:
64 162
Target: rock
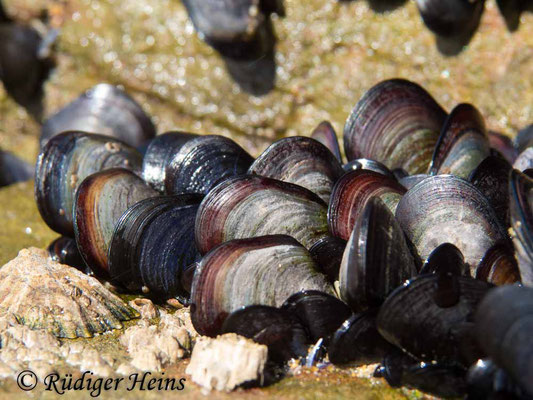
154 346
41 293
145 307
227 361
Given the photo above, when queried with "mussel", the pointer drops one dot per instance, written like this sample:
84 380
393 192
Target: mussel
263 270
325 134
13 169
65 251
64 162
103 109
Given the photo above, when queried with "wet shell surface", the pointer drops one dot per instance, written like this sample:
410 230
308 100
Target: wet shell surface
325 134
41 293
250 206
259 271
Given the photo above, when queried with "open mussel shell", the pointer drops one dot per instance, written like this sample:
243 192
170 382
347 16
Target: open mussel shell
153 244
451 18
357 341
377 258
64 162
369 165
100 201
249 206
278 329
429 317
104 109
524 160
64 250
204 161
446 258
327 253
158 155
504 322
439 379
462 144
397 123
499 265
262 270
13 169
521 211
325 134
319 312
491 177
352 192
447 209
302 161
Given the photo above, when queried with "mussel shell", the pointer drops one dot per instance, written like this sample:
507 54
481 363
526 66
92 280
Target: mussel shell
524 160
263 270
491 177
397 123
524 139
444 208
100 201
159 153
377 258
325 134
412 319
103 109
503 145
249 206
504 321
153 244
352 192
204 161
499 265
462 144
302 161
443 380
521 211
327 253
320 313
65 251
411 180
357 341
446 258
278 329
64 162
369 165
13 169
488 381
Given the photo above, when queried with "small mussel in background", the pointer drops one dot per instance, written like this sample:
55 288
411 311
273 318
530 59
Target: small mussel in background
106 110
65 251
13 169
64 162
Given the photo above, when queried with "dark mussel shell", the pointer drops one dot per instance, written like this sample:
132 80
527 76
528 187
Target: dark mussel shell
65 162
429 317
499 265
447 209
369 165
524 139
521 211
439 379
462 144
249 206
302 161
278 329
158 155
503 145
325 134
377 258
397 123
320 313
153 244
491 177
358 342
263 270
104 109
524 160
446 258
411 180
100 201
65 251
504 322
13 169
204 161
451 18
487 381
352 192
327 253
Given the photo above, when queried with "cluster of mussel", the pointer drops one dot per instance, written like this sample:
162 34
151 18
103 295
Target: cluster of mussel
392 257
